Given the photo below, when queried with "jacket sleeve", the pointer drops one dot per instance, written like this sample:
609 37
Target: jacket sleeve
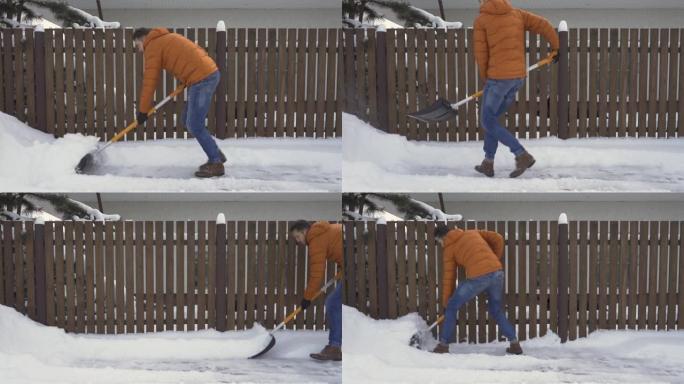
151 76
448 278
481 48
495 241
316 269
540 25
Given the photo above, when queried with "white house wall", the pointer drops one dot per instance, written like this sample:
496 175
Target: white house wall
234 18
575 210
597 18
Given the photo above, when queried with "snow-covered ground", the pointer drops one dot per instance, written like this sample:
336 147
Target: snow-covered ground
34 353
375 161
377 351
31 160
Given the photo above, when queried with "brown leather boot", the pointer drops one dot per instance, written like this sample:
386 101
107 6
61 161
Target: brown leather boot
522 162
441 348
486 168
210 170
330 352
515 348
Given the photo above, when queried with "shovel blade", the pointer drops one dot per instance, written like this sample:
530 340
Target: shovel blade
440 110
271 344
418 339
86 163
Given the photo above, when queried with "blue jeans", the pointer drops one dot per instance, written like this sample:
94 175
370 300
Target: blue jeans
196 109
493 283
497 97
333 314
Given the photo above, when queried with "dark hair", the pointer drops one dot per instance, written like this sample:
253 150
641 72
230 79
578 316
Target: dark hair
140 32
441 231
299 225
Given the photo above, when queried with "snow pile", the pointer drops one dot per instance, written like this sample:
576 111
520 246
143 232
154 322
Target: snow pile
31 353
36 161
375 161
19 335
29 157
377 351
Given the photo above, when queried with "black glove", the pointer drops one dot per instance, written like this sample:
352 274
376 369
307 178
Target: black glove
305 303
556 58
141 118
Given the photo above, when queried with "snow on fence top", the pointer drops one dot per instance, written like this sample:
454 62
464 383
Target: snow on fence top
563 219
221 26
563 26
221 219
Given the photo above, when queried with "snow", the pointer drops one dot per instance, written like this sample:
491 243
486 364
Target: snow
375 161
95 214
563 26
438 214
221 219
438 22
94 21
563 219
31 160
221 26
31 353
377 351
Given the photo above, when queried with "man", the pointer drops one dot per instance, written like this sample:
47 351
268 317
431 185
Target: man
190 64
479 252
324 242
499 34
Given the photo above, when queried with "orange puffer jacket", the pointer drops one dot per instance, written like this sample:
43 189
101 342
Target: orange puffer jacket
479 252
499 34
187 61
325 243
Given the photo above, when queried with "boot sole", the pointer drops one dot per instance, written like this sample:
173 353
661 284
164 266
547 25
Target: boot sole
322 358
513 174
207 176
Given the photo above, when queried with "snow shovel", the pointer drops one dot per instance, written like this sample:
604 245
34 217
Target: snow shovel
88 160
294 314
442 109
419 337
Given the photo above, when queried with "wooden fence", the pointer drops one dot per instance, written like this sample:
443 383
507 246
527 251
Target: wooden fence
608 83
275 82
144 276
571 279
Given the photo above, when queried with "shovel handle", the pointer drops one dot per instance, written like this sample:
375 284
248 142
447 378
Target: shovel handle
437 322
543 62
299 309
151 112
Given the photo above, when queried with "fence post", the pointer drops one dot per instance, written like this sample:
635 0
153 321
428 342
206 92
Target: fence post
8 264
221 88
349 265
381 257
381 79
220 297
349 80
39 78
563 277
40 285
563 81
